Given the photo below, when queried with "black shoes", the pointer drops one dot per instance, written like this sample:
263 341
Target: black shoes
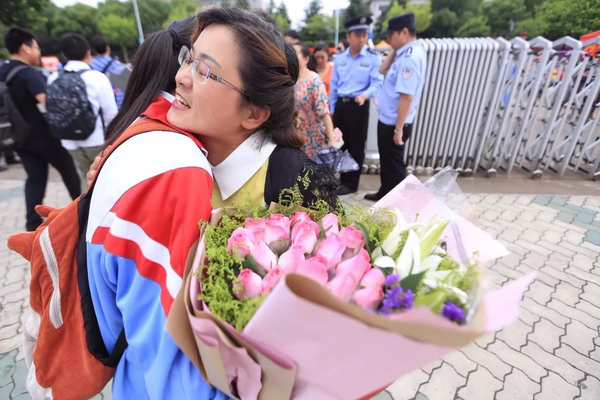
342 190
373 197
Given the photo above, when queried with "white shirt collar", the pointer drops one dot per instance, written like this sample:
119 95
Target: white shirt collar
242 164
76 65
167 96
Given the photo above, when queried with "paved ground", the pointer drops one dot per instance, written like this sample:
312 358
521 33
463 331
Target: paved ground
551 353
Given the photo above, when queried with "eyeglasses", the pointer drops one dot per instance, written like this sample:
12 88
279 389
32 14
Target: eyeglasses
201 71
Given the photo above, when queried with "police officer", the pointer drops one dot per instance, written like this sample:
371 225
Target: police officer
405 69
355 80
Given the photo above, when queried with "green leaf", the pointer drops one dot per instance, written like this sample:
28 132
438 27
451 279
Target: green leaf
365 231
434 300
251 263
412 282
387 271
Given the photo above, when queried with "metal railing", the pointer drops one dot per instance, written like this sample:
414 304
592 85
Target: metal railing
496 106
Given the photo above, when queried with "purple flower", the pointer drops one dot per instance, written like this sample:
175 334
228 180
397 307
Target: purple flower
453 312
392 279
409 299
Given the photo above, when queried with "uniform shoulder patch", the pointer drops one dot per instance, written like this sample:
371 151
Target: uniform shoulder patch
408 52
373 51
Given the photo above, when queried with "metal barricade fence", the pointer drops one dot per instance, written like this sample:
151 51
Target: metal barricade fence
496 105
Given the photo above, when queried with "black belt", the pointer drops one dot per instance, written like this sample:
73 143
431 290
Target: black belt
348 100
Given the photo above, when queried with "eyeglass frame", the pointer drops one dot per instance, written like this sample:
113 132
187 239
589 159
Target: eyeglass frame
196 62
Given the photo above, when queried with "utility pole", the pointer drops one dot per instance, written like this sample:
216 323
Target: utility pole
337 27
139 22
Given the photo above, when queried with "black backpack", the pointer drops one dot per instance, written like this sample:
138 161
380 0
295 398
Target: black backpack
70 114
14 130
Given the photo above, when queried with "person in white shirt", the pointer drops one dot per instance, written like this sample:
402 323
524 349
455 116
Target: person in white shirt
76 50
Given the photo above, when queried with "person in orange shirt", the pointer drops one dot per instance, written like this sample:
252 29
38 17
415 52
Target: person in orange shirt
324 68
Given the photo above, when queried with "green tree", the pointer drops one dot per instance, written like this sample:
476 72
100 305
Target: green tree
444 23
475 27
319 27
532 5
281 17
20 12
422 14
271 8
532 26
569 17
119 30
243 4
78 18
464 9
356 8
502 15
181 9
313 9
152 14
225 3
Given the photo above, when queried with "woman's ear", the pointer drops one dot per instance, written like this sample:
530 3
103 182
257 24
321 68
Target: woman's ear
255 117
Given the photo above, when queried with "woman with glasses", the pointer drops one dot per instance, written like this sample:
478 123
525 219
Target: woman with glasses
234 102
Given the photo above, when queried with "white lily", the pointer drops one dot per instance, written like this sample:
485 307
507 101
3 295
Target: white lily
431 263
384 262
390 243
409 260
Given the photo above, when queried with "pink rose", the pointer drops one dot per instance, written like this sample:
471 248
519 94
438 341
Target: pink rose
330 224
356 266
305 234
271 279
353 238
342 286
264 256
241 242
331 249
277 227
300 217
291 259
373 277
248 285
368 297
257 226
314 268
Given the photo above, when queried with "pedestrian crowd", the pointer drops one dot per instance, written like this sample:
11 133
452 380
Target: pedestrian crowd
223 100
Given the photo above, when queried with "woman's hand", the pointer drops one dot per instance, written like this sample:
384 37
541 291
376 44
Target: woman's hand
94 167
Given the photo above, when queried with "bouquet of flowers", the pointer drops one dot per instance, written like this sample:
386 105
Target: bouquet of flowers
292 304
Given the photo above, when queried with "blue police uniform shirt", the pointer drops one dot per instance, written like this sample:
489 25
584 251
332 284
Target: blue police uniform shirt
406 75
353 76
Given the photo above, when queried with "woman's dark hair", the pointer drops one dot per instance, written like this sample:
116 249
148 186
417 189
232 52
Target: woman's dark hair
268 68
321 46
344 42
154 68
305 51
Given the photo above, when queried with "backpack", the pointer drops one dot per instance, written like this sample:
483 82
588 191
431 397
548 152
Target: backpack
63 346
14 130
70 114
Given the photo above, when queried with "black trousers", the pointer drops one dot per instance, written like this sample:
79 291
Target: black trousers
391 156
353 121
35 160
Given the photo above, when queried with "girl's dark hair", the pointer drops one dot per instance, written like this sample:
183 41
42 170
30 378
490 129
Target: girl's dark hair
305 51
154 68
268 68
344 42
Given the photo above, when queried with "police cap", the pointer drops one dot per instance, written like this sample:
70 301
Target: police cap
359 24
400 22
